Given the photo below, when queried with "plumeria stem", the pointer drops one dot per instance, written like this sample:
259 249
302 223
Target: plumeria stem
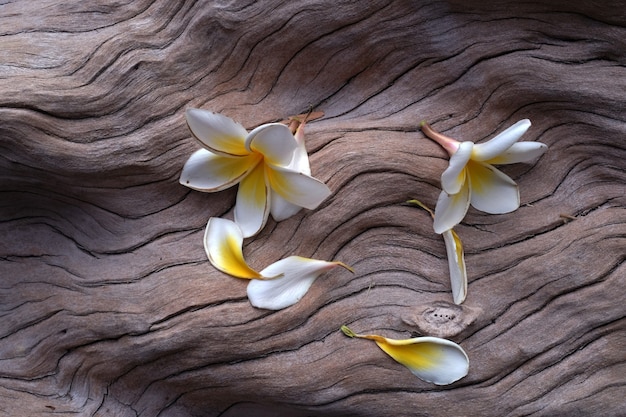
348 332
449 144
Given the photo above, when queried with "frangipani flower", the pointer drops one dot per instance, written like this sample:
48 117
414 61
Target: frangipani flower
456 259
471 178
280 285
432 359
269 164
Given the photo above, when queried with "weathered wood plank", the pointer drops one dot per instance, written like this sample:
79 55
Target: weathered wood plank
110 307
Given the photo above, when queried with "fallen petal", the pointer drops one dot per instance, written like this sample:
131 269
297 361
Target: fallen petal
223 242
500 143
491 190
296 275
218 133
431 359
456 264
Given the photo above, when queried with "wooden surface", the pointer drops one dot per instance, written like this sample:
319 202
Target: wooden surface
109 306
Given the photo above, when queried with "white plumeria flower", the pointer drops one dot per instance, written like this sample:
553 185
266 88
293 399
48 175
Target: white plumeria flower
280 285
456 259
270 165
432 359
472 179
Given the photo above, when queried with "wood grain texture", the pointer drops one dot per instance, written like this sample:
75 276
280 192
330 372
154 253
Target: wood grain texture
109 306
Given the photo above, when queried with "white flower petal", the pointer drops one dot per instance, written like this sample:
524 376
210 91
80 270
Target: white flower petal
206 171
252 207
432 359
456 264
491 190
296 275
223 242
296 187
451 209
519 152
300 161
218 133
282 209
453 177
274 141
500 143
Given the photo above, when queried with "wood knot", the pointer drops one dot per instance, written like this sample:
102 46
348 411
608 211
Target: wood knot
442 319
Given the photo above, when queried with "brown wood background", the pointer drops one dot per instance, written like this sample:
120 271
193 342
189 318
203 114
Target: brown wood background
109 306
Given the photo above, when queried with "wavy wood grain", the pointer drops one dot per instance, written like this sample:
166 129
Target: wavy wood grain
109 306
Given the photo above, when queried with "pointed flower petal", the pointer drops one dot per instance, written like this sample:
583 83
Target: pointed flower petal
206 171
252 207
274 141
223 242
296 187
432 359
453 177
456 264
451 209
218 133
519 152
500 143
296 275
456 259
491 190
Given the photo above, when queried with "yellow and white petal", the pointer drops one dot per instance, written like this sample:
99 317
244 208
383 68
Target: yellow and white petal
218 133
274 141
281 209
206 171
431 359
223 242
491 190
252 206
296 187
451 209
519 152
500 143
295 276
456 264
453 177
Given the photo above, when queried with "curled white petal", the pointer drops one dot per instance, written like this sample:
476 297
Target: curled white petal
500 143
451 209
218 133
223 242
296 275
274 141
456 264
